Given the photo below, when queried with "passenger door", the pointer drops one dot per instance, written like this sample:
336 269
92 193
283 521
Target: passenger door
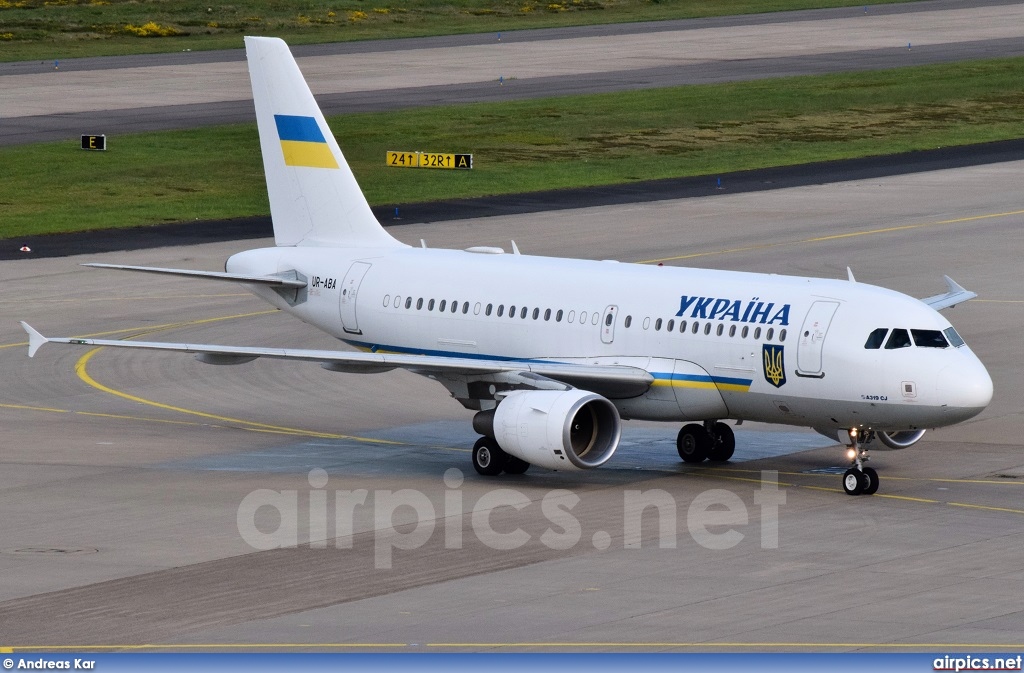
812 338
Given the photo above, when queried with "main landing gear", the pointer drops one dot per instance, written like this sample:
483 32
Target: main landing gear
490 460
859 479
712 441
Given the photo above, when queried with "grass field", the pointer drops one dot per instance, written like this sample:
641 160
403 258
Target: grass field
60 29
528 145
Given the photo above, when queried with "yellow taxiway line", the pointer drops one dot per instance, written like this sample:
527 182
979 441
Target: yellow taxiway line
834 237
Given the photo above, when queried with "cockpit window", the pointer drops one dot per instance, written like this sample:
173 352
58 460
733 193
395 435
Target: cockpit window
876 338
898 339
954 339
928 338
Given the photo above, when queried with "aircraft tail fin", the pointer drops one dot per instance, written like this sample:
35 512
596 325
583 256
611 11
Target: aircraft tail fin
314 198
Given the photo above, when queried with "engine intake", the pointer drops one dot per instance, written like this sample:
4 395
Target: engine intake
901 440
559 430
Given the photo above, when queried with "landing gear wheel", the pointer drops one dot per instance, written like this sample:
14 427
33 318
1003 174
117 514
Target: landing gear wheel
488 458
723 444
854 481
871 480
693 443
515 465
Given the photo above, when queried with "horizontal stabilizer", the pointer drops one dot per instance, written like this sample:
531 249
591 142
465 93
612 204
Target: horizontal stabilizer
955 295
627 381
289 279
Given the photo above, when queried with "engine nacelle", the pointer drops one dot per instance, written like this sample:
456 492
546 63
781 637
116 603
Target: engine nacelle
900 440
556 429
891 440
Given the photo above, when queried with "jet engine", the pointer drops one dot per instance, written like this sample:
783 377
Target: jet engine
892 441
902 439
557 429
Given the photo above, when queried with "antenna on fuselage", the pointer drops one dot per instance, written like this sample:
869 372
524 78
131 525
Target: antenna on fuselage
515 249
849 274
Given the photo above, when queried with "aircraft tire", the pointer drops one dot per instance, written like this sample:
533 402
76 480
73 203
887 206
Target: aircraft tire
853 481
870 481
693 443
724 444
515 465
488 458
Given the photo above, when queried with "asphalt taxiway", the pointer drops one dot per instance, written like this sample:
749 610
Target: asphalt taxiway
130 482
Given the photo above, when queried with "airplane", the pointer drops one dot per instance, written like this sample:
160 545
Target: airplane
552 354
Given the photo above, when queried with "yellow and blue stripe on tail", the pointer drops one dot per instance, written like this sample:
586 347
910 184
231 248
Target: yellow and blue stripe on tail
303 143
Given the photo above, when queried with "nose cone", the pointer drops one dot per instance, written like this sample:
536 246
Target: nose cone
964 388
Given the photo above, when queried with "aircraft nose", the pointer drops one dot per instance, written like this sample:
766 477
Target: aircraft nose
965 388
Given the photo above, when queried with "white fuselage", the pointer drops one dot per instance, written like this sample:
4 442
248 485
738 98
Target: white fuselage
720 344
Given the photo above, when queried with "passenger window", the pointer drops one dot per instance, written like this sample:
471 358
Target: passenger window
572 316
398 301
928 338
898 339
430 305
547 314
501 310
558 316
629 320
419 304
745 332
442 305
522 313
757 333
408 302
476 309
696 326
511 311
707 328
657 325
647 323
455 306
770 333
596 318
465 308
782 335
954 339
682 326
719 330
608 320
536 313
876 338
671 325
487 311
387 300
732 330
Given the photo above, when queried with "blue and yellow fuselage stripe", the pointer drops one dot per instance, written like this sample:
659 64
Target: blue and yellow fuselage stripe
303 143
693 381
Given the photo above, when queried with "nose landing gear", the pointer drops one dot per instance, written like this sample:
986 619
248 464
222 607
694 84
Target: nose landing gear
859 479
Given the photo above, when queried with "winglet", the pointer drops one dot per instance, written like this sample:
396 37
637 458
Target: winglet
955 294
953 285
35 339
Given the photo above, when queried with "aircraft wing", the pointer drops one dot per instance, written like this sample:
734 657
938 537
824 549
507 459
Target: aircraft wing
288 280
619 381
954 295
